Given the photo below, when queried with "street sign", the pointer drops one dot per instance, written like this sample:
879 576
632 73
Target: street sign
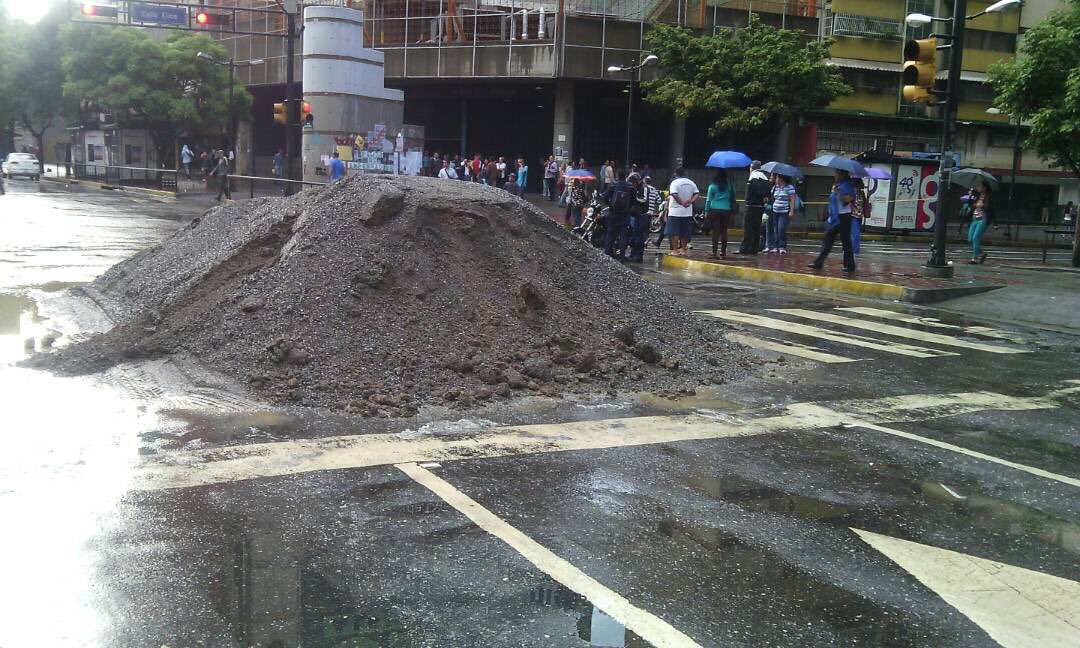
154 14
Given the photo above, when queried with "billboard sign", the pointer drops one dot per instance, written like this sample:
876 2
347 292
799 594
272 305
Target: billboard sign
877 192
917 189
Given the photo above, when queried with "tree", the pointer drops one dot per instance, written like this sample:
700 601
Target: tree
36 73
1041 86
742 78
162 86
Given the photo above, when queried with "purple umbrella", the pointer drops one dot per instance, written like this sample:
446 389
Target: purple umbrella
580 174
877 174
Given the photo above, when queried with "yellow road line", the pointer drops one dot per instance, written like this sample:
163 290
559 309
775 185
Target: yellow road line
823 334
896 331
646 625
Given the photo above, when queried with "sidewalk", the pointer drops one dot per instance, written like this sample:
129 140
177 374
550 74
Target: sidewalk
875 278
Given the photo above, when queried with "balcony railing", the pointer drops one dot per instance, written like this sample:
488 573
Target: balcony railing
838 24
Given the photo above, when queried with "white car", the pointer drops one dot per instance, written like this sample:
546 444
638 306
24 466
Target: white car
21 164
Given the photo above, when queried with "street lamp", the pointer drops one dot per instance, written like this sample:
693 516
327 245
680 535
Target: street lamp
1015 162
937 265
231 64
635 77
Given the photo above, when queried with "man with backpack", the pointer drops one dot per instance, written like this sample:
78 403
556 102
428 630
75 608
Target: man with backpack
622 197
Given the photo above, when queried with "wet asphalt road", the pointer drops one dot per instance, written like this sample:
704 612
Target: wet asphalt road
758 519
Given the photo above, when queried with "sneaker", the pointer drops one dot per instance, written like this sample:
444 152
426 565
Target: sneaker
783 251
814 266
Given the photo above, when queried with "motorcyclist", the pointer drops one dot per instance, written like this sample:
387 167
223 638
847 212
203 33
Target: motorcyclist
640 217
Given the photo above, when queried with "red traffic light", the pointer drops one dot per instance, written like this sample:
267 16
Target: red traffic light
207 19
306 108
98 11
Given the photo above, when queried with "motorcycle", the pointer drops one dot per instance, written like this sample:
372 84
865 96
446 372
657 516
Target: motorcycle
698 222
593 226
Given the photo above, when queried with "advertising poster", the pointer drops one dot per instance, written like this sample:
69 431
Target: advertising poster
916 197
877 191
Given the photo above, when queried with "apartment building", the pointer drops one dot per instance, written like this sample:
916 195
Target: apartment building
525 78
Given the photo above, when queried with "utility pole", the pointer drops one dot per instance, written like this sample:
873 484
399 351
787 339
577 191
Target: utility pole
290 99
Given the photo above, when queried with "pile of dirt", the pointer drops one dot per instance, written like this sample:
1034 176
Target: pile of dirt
380 294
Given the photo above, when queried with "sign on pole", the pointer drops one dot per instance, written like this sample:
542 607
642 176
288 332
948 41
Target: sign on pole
154 14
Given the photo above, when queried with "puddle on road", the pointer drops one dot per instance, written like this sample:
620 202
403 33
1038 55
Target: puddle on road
21 328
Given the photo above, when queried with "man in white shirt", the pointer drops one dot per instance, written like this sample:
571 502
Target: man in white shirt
447 172
683 192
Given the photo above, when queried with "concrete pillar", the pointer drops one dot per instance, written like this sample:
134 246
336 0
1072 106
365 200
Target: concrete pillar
678 142
464 136
562 144
354 113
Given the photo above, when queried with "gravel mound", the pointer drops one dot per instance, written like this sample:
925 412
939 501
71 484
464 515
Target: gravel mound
380 294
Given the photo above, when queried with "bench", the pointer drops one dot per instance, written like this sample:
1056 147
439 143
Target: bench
1050 237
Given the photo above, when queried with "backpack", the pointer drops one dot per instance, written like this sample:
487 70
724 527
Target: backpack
622 199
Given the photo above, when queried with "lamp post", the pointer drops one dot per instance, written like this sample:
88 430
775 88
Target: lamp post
635 77
231 64
938 265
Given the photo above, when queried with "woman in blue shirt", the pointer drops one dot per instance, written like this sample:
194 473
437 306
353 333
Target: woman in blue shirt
719 203
839 223
783 208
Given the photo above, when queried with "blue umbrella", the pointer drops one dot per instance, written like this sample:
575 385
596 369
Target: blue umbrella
580 174
840 162
780 168
877 174
728 160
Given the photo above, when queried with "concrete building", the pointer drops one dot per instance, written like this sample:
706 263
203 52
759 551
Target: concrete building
526 78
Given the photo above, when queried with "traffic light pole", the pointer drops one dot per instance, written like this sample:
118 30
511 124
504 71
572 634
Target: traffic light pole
937 265
290 100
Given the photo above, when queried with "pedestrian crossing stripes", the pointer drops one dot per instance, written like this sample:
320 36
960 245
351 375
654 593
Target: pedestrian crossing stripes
791 348
930 322
824 334
896 331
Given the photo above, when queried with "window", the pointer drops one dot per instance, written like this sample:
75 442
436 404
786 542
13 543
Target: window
989 40
133 155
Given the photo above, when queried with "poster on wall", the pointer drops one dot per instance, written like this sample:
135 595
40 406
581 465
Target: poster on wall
877 191
916 197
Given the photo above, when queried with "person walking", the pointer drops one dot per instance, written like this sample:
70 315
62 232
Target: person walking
221 173
522 174
551 177
682 194
758 187
839 223
784 200
279 164
860 210
186 158
719 203
980 218
653 201
578 200
337 167
609 173
206 163
620 198
967 205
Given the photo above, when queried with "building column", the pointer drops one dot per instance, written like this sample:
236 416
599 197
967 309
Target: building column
464 128
678 142
562 138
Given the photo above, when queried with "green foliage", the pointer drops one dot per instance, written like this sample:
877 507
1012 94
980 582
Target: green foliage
744 77
34 75
163 85
1042 86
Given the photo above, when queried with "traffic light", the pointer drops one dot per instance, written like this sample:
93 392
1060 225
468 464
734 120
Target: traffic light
920 66
204 18
306 117
281 115
98 11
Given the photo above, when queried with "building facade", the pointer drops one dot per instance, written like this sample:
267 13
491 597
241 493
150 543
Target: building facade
526 78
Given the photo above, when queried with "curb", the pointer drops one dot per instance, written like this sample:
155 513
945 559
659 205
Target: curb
814 235
854 287
108 187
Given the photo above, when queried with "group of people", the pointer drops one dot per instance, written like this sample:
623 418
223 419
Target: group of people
212 163
512 175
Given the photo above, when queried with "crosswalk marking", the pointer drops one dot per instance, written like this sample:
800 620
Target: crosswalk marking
897 331
1017 607
815 332
791 348
931 322
646 625
188 468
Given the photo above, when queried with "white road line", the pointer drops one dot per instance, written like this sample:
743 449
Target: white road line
896 331
1017 607
823 334
791 348
1072 481
646 625
934 323
188 468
